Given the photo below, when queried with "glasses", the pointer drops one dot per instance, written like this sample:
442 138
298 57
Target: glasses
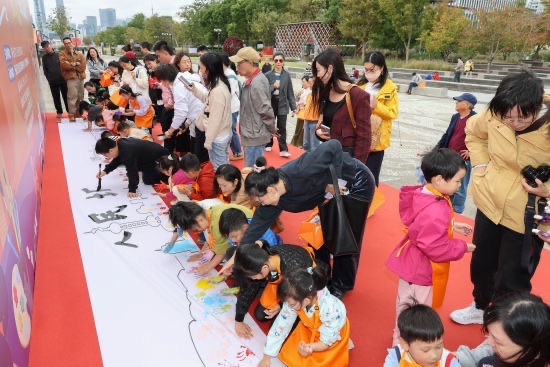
67 43
278 60
524 121
185 61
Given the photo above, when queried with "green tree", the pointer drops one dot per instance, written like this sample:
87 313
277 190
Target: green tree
446 31
265 26
358 19
58 21
138 21
87 40
156 25
115 36
135 34
405 18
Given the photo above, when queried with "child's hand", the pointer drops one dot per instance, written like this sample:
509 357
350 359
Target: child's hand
194 257
471 247
160 186
159 194
305 349
243 330
185 189
132 195
202 269
269 314
463 228
265 362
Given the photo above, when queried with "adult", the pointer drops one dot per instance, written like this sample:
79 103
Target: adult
155 92
215 120
330 88
454 138
52 71
137 156
301 98
257 121
187 107
229 183
459 68
503 140
235 84
201 50
282 99
384 103
415 79
95 65
291 188
135 76
182 61
94 91
73 68
164 52
145 48
518 334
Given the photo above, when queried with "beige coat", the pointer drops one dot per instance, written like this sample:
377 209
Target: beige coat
497 192
218 106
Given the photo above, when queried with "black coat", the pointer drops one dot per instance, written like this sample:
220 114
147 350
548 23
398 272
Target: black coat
52 70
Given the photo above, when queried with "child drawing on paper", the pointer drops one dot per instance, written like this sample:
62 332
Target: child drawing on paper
169 165
321 338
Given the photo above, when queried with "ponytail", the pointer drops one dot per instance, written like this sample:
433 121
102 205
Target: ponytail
256 183
166 162
300 284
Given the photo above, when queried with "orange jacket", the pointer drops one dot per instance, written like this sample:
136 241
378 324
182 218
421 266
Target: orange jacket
68 70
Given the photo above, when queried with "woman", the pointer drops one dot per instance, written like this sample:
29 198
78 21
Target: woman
182 61
94 90
301 185
384 104
331 85
502 141
255 263
282 99
518 334
215 119
301 96
187 140
140 107
229 183
95 65
135 76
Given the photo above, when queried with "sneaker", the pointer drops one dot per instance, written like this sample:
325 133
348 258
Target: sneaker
268 149
350 344
236 157
285 154
59 115
468 315
336 292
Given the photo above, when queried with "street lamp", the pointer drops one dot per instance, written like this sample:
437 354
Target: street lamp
168 34
218 31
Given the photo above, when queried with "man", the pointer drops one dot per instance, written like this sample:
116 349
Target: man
164 52
145 48
459 68
202 49
257 120
73 68
454 138
282 98
52 71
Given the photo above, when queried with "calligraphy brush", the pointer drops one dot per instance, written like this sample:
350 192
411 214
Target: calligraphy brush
99 179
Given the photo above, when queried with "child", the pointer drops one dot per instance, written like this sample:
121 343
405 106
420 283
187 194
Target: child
233 225
202 173
191 216
126 131
321 338
427 212
89 112
301 97
421 340
140 107
311 117
169 165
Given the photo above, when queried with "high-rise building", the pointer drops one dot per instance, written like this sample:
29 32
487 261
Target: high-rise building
107 18
59 4
90 26
40 16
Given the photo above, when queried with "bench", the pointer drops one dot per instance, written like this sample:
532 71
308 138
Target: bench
423 91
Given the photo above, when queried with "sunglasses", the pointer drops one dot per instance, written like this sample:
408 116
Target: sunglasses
278 60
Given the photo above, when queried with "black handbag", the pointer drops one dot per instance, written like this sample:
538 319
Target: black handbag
337 231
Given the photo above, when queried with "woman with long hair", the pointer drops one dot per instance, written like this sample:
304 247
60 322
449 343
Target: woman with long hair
332 85
95 65
182 61
215 120
135 76
384 104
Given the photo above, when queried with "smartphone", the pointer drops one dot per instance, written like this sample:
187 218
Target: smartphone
325 128
185 81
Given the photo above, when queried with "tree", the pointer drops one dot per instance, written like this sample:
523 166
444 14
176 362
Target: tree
156 25
358 19
404 16
115 36
87 40
58 21
135 34
138 21
264 26
446 31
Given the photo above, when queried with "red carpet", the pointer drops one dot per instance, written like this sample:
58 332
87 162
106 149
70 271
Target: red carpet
63 327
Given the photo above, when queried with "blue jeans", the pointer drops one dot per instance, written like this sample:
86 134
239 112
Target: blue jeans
310 139
459 197
411 86
219 154
252 153
235 142
457 76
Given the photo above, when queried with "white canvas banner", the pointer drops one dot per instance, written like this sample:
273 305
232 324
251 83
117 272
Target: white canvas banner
149 308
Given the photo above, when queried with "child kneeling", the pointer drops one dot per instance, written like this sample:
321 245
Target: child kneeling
421 340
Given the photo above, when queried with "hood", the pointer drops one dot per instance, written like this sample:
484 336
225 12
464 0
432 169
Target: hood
412 201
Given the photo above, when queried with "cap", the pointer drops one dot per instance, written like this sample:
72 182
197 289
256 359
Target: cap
245 54
309 63
467 97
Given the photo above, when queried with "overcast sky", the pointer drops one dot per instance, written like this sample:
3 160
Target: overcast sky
79 9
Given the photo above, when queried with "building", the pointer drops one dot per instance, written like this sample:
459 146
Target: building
40 17
59 4
89 26
107 18
482 4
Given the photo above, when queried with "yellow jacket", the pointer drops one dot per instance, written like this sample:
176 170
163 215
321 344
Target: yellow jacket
387 108
497 192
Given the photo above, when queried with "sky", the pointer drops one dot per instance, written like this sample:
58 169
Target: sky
79 9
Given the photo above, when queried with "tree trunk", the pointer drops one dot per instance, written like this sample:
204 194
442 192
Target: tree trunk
363 50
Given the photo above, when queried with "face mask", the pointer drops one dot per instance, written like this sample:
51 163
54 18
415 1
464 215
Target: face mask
373 76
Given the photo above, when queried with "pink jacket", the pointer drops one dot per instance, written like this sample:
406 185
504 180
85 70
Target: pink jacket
427 217
178 178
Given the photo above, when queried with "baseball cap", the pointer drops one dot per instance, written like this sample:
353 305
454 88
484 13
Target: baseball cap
245 54
470 98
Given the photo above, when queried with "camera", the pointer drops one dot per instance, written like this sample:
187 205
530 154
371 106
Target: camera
530 173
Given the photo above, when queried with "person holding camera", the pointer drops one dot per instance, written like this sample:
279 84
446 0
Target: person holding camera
502 141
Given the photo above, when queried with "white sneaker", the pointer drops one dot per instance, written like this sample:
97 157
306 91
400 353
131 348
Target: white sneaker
268 149
285 154
350 344
468 315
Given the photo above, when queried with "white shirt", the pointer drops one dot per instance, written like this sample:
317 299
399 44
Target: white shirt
234 84
137 79
186 105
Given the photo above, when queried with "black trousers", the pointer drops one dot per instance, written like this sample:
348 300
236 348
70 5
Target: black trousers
374 162
197 146
151 176
495 268
166 117
56 89
281 126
